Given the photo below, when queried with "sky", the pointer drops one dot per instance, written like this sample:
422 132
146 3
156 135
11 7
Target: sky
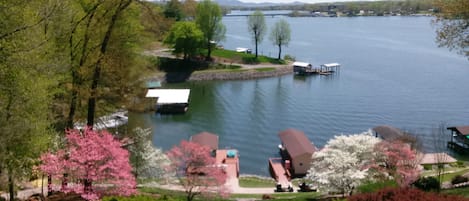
290 1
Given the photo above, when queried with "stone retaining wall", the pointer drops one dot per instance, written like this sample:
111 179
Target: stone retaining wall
224 75
242 75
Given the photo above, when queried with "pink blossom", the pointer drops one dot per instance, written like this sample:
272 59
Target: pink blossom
196 169
95 157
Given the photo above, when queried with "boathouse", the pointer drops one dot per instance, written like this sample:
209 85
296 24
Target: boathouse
225 158
297 151
206 139
170 100
302 67
459 138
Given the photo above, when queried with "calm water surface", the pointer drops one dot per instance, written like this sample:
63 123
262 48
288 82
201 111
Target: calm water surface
392 73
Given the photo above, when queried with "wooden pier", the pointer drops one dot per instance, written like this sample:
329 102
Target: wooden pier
280 174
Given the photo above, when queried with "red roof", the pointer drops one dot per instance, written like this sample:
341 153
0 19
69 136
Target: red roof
296 142
464 130
206 139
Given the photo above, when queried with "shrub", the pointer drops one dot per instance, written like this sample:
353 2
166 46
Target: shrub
459 179
404 194
427 183
289 57
369 187
427 167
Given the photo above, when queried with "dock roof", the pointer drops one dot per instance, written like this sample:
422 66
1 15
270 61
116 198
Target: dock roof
331 65
169 96
296 142
301 64
388 132
463 130
206 139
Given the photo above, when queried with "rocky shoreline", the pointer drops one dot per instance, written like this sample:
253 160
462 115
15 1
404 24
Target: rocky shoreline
243 74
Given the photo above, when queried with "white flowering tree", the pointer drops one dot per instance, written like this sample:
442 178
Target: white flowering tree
148 161
343 163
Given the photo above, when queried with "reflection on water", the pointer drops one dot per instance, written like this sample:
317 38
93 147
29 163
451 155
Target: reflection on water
402 80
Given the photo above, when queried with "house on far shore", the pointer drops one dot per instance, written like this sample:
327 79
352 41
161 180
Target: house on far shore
297 150
225 158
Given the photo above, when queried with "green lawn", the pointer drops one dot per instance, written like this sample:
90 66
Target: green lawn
282 196
449 176
244 57
256 182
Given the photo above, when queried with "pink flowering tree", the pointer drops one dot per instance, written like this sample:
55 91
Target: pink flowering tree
196 170
94 162
397 159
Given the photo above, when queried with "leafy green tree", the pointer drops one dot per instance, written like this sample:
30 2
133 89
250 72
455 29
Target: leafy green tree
453 22
257 27
173 9
27 77
102 44
280 35
185 38
208 19
189 8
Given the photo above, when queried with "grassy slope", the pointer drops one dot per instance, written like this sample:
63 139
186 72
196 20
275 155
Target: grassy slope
237 57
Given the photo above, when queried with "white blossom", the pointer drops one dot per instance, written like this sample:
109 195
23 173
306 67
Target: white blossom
342 164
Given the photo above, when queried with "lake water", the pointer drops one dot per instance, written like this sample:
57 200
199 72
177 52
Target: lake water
392 73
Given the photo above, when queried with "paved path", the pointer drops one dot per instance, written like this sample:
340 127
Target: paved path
23 194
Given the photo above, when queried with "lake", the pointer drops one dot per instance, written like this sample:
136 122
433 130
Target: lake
392 73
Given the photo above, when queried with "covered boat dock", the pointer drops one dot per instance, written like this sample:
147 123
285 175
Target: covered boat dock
459 138
304 68
170 100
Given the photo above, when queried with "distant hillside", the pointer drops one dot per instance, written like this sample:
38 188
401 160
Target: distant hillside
236 3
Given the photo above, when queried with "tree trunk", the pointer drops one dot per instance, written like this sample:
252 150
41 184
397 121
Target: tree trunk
279 51
97 70
49 184
209 51
256 41
73 104
11 184
76 79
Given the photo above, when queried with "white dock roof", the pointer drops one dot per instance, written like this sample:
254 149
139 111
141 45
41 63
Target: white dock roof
169 96
331 65
301 64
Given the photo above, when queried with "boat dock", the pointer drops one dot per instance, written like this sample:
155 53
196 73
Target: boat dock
280 174
303 68
113 120
170 100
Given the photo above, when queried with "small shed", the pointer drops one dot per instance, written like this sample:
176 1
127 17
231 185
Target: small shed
206 139
299 150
